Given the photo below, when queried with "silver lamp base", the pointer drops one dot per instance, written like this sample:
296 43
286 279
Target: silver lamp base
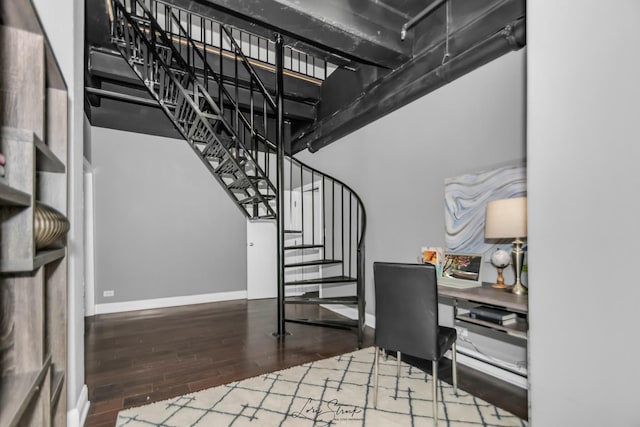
517 257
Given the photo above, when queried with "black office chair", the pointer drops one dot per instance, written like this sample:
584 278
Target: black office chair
407 319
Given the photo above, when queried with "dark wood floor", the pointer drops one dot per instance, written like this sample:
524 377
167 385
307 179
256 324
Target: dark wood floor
145 356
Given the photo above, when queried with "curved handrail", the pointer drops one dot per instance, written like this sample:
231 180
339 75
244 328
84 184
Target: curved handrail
364 213
337 230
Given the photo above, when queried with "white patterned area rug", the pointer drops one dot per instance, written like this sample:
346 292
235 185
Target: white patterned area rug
331 392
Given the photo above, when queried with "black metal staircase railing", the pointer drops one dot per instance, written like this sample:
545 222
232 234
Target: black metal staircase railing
178 73
325 224
223 110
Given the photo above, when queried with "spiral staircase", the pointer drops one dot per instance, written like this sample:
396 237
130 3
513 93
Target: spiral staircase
198 72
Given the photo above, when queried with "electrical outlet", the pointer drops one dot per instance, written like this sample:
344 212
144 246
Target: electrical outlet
462 332
108 293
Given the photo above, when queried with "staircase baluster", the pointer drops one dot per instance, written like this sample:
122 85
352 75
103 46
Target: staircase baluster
205 71
302 204
237 88
342 224
265 119
333 219
324 215
313 210
221 80
350 235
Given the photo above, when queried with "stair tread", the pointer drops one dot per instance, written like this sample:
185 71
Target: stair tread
314 262
226 166
258 198
305 246
336 323
141 19
314 298
244 183
321 280
210 116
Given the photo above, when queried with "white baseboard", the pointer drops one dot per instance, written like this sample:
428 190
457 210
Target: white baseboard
471 359
77 416
119 307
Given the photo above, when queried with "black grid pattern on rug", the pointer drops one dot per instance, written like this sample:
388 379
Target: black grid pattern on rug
331 392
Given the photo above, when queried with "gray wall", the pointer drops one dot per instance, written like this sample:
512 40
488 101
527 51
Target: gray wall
583 109
398 164
164 227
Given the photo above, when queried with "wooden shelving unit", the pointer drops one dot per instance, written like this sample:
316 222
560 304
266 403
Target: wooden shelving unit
33 282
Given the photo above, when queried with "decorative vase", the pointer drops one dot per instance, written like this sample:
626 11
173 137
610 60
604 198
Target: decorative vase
49 225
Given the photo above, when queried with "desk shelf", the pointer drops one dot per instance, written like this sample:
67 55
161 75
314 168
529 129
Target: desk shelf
488 295
464 299
517 329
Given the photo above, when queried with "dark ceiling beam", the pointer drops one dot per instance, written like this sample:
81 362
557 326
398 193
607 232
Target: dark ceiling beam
415 79
330 25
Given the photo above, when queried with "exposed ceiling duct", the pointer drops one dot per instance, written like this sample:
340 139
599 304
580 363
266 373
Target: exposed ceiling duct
423 74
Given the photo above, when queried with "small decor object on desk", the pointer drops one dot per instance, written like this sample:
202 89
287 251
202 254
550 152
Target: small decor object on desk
435 256
500 259
49 225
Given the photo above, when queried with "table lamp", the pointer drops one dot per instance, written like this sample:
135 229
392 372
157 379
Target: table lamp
507 218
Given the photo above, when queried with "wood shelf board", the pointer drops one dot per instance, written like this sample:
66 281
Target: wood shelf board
42 257
16 392
517 329
56 386
9 196
46 160
485 294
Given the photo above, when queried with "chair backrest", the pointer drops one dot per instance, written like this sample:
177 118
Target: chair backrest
407 308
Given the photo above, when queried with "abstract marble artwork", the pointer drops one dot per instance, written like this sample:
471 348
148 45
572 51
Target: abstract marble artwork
466 198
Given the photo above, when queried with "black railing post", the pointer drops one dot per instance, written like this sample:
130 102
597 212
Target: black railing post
280 178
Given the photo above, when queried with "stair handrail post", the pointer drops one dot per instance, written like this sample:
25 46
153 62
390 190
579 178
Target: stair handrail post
361 293
280 178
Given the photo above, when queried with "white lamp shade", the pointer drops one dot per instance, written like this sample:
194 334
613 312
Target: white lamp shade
506 218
